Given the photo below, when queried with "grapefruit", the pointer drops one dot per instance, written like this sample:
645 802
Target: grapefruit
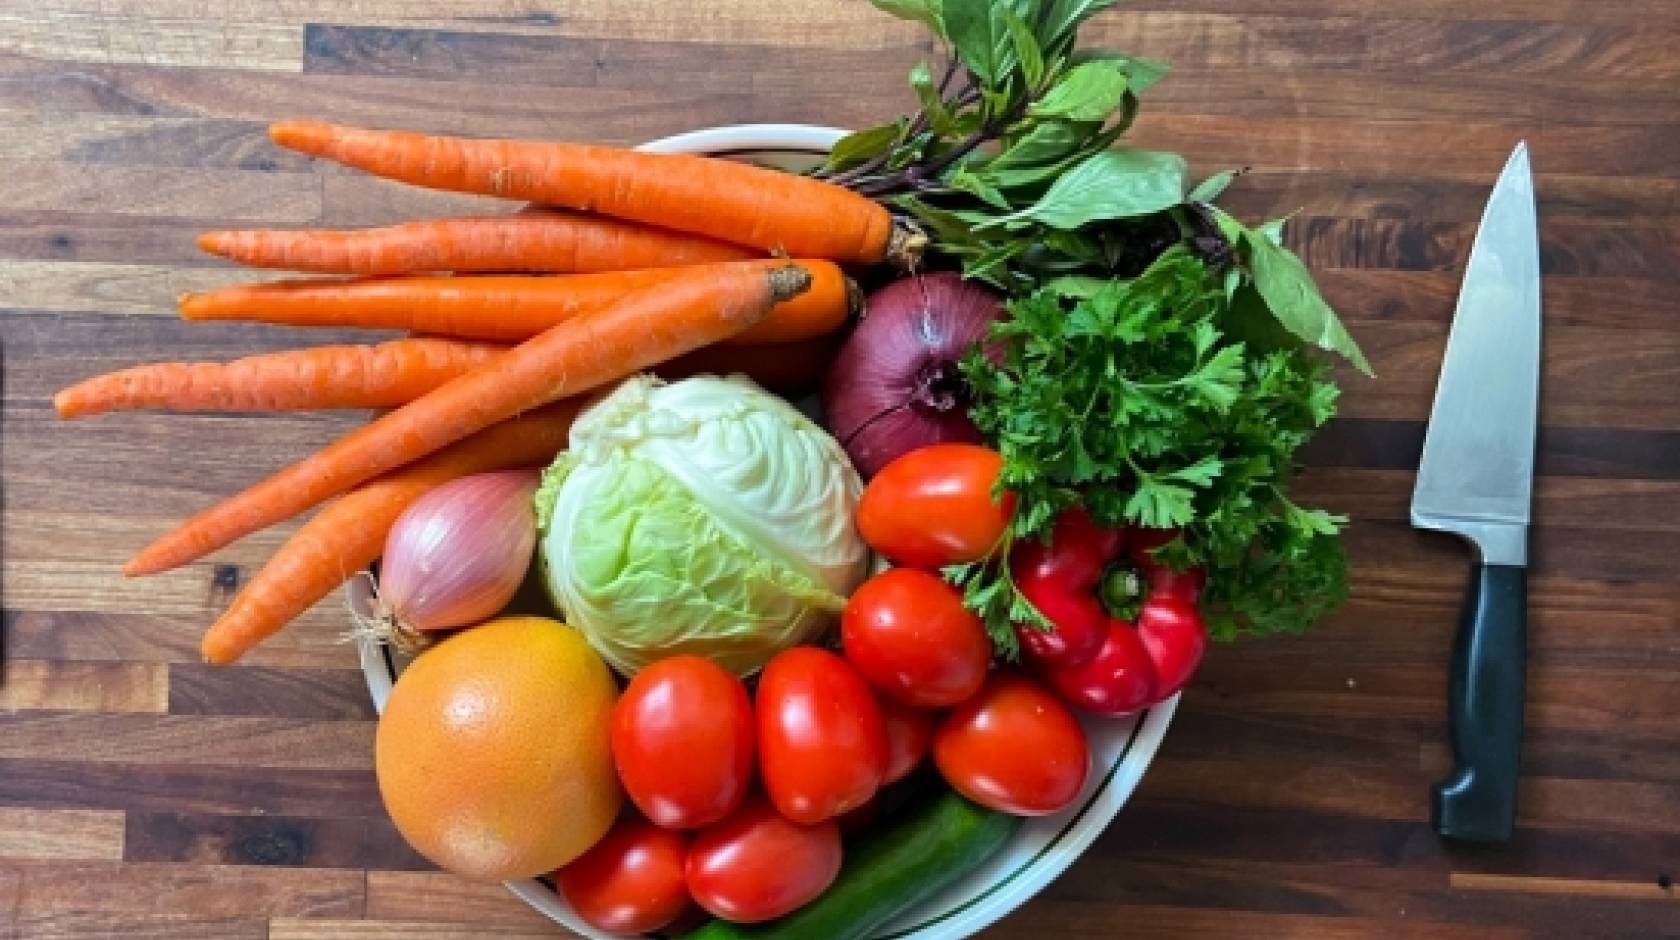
494 756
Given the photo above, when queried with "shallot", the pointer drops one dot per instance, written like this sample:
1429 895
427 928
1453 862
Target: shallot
456 556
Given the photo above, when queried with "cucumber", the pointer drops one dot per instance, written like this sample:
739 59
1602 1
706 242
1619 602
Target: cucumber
927 847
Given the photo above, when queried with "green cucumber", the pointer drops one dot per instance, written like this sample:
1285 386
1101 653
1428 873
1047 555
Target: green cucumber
925 848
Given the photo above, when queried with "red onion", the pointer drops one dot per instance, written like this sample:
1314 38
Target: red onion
456 556
895 385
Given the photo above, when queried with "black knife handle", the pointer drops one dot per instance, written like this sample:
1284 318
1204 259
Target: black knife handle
1478 801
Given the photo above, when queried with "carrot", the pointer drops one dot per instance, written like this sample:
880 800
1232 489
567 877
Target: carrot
349 532
736 202
544 240
381 376
504 307
644 328
796 366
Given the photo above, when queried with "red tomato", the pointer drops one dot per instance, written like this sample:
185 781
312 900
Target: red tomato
908 732
933 506
909 634
632 881
821 741
756 864
682 738
1118 680
1014 747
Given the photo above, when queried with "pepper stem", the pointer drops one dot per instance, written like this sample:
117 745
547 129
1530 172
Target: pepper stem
1121 592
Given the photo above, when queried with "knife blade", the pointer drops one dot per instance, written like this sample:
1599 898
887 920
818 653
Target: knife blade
1475 480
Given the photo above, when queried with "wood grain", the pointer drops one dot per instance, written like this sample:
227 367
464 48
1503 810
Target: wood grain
26 832
73 686
146 795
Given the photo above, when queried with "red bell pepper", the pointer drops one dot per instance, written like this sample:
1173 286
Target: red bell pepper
1096 660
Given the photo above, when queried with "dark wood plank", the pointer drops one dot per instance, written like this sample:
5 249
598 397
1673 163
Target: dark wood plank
146 786
291 841
199 689
253 743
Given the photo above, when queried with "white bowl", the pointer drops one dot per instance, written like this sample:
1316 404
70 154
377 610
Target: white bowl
1120 748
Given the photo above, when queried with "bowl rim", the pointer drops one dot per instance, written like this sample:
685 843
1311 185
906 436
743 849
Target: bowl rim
1109 789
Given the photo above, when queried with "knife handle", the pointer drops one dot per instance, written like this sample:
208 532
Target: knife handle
1478 801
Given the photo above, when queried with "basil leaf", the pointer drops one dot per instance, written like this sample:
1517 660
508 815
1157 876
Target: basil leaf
980 31
1081 286
1061 18
969 23
1140 73
968 181
947 227
928 12
1209 189
1112 184
986 261
861 146
1293 298
939 116
1047 142
1088 92
1027 50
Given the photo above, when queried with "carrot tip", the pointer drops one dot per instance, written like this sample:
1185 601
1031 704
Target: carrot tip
142 565
789 281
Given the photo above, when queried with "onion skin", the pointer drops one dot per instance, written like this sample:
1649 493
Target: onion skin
895 384
457 555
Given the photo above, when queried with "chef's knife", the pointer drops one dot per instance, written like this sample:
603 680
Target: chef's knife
1474 481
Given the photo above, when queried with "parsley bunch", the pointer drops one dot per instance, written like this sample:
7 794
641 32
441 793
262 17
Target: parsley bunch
1136 401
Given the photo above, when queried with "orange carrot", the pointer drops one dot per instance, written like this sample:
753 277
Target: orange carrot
504 307
349 532
542 240
733 201
578 355
381 376
796 366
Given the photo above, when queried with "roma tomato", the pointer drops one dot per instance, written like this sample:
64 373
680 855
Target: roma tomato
682 738
632 881
822 743
756 864
909 634
1014 747
933 506
1118 680
909 730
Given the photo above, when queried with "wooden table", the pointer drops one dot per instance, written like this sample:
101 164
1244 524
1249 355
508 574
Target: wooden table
145 795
